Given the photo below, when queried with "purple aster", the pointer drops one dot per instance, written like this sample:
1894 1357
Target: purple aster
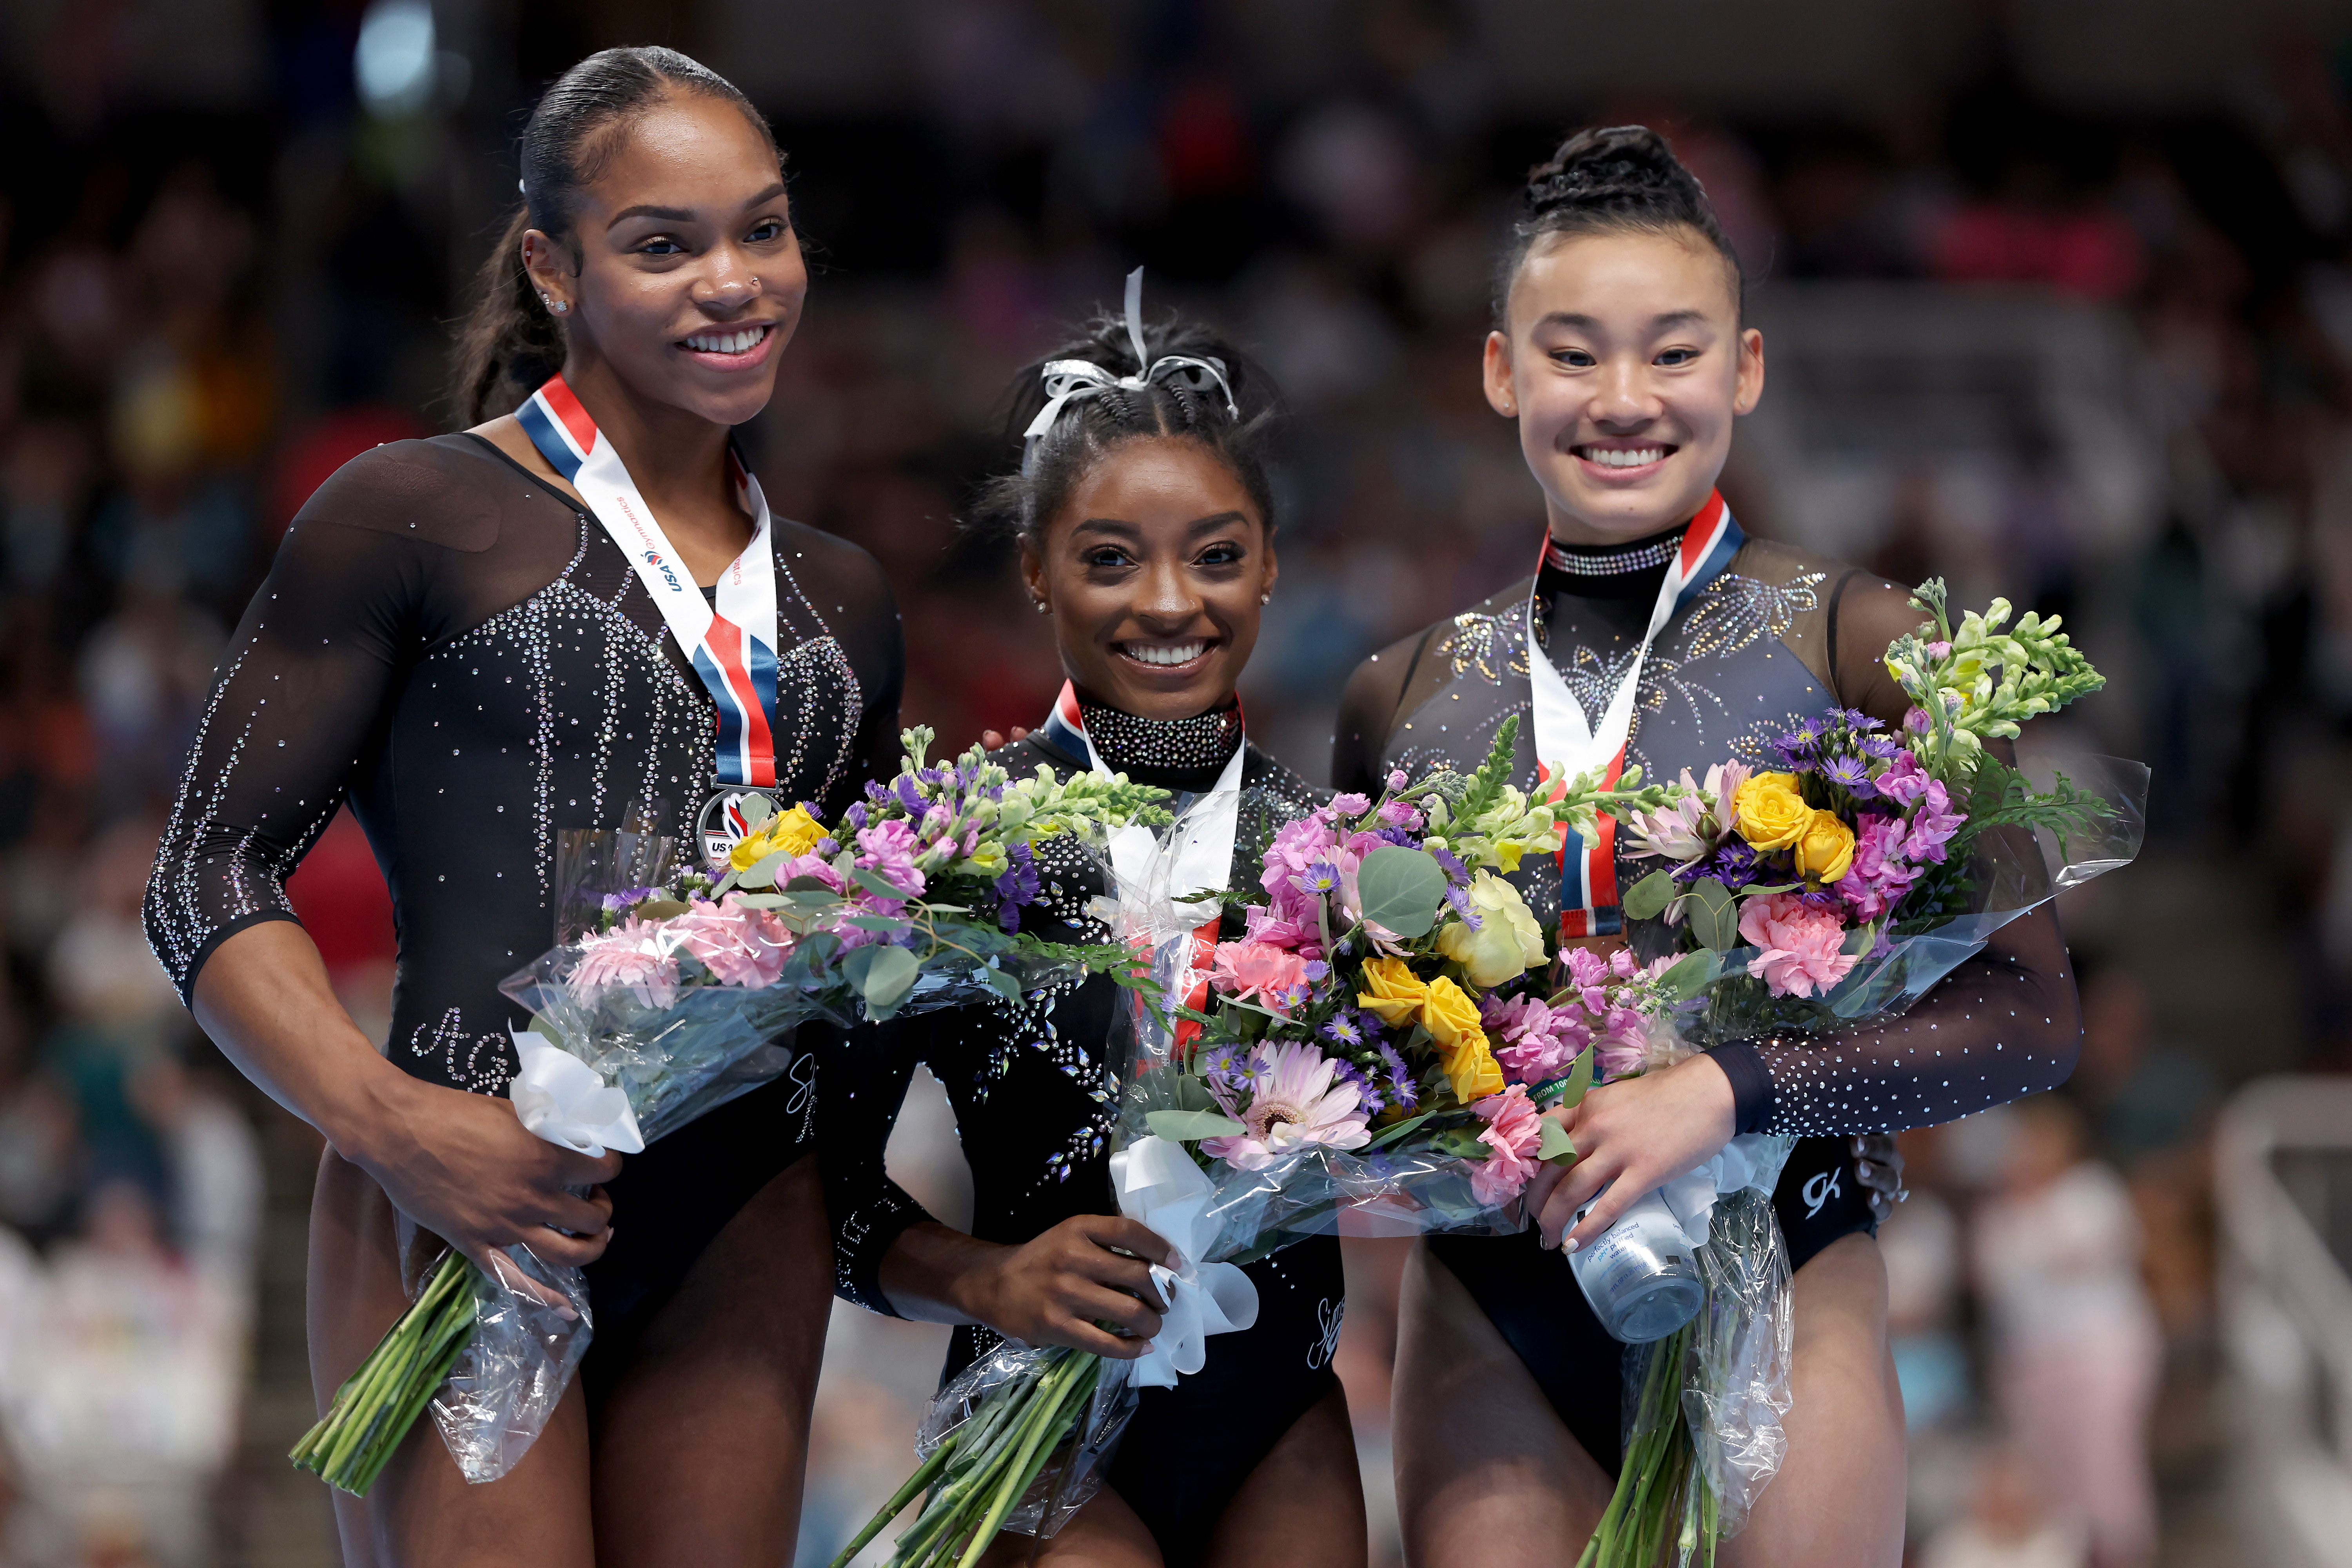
1366 1097
1222 1064
1460 899
1402 838
1016 885
857 813
909 796
1320 877
1344 1029
1453 869
1850 774
1400 1085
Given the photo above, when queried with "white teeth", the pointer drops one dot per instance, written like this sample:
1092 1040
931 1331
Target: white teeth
1181 653
726 342
1624 458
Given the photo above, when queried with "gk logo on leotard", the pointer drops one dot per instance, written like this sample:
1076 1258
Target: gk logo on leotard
1820 1188
1332 1315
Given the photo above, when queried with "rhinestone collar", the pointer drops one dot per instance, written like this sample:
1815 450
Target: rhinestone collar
1132 745
1642 556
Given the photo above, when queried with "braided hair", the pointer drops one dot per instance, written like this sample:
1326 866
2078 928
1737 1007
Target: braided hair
510 344
1604 179
1021 503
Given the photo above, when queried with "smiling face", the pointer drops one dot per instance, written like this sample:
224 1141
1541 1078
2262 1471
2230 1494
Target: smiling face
1155 568
682 271
1626 365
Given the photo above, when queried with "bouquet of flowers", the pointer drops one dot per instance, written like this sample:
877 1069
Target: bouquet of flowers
1830 893
1371 1044
681 995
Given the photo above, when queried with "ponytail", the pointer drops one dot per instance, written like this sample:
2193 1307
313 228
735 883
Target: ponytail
510 344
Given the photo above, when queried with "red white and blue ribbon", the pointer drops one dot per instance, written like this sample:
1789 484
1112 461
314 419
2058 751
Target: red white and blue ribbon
732 646
1568 745
1201 861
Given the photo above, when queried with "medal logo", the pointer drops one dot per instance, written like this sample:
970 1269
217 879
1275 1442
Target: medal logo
724 823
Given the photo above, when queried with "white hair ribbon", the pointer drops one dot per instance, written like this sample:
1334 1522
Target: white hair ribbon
1067 379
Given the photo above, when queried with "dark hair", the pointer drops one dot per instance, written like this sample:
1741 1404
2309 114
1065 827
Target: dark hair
1609 178
510 344
1089 428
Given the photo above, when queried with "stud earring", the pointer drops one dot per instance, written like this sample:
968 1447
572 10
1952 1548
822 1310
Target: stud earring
555 307
1042 607
1266 597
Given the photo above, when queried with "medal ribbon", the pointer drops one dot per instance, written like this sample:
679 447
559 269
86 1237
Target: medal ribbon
1204 861
1565 738
733 646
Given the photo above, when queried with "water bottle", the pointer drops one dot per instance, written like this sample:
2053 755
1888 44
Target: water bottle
1639 1274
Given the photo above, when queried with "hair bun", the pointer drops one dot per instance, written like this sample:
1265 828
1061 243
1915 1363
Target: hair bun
1605 162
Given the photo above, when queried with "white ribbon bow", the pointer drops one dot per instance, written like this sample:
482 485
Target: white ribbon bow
1067 379
1750 1160
561 1099
1160 1188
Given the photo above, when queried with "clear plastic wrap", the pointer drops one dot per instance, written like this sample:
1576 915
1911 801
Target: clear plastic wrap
1074 1473
512 1371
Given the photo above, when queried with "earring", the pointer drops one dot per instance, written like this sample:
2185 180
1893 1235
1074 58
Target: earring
555 307
1042 607
1266 597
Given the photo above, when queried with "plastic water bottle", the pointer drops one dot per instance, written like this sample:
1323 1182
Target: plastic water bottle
1639 1274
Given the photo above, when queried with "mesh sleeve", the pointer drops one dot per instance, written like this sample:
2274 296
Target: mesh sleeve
866 1075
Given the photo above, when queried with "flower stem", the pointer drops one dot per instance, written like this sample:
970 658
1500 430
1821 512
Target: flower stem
376 1405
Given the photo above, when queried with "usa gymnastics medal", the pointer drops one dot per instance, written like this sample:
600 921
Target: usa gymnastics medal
730 814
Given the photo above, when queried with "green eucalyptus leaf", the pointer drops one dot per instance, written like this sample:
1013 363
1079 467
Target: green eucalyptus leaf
881 925
882 974
1400 890
761 902
1390 1135
1648 899
757 809
1580 1079
1714 915
874 883
659 909
1554 1144
1190 1126
762 873
1693 975
811 893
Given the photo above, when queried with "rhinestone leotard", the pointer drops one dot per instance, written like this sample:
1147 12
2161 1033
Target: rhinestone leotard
1778 637
446 641
1035 1106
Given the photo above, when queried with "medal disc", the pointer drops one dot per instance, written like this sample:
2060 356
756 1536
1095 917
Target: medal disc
725 822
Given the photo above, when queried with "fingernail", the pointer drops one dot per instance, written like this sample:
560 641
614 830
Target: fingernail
1572 1244
1863 1170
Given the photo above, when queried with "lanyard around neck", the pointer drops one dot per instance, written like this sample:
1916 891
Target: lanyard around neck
1569 741
732 646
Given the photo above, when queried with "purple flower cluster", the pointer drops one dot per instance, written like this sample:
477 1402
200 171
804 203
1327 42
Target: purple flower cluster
1840 746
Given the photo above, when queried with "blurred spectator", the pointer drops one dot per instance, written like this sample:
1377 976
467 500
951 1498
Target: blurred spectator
2010 1523
2143 1094
2075 1346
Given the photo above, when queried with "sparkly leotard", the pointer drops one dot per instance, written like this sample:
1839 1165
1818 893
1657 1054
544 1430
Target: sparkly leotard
1033 1107
1780 636
449 642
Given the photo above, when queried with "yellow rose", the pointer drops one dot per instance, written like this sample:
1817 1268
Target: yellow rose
1770 813
1452 1017
1826 849
794 833
1508 942
1396 994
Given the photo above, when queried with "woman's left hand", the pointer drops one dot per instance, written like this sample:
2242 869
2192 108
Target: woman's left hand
1637 1133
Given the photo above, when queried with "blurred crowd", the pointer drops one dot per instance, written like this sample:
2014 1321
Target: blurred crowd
204 311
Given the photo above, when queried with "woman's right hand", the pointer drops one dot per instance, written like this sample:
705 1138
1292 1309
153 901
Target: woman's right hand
1056 1288
464 1167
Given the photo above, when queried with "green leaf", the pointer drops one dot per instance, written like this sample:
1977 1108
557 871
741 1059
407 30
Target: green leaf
1714 915
761 901
1004 984
1695 973
1400 1129
1580 1079
1190 1126
809 893
1554 1144
1400 890
762 873
882 974
881 925
757 809
659 909
1761 889
874 883
1648 899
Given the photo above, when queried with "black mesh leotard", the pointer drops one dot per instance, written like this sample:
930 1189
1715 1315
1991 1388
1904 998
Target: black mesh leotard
1780 636
1033 1109
452 645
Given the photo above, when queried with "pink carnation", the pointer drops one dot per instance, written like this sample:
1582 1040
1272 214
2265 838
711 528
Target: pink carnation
631 954
739 946
1799 944
1513 1132
1254 968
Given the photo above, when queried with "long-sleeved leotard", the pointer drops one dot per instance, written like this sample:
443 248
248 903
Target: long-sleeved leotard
1777 638
456 647
1033 1103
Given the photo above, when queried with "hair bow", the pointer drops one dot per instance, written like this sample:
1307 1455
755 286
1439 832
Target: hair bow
1068 380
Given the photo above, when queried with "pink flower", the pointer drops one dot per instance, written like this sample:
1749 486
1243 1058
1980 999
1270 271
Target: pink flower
632 954
1253 969
1295 1104
1402 814
888 850
739 946
1532 1040
1882 871
1350 806
1904 780
1933 825
1513 1132
1799 944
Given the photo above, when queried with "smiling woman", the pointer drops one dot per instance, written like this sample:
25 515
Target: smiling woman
484 640
1145 521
